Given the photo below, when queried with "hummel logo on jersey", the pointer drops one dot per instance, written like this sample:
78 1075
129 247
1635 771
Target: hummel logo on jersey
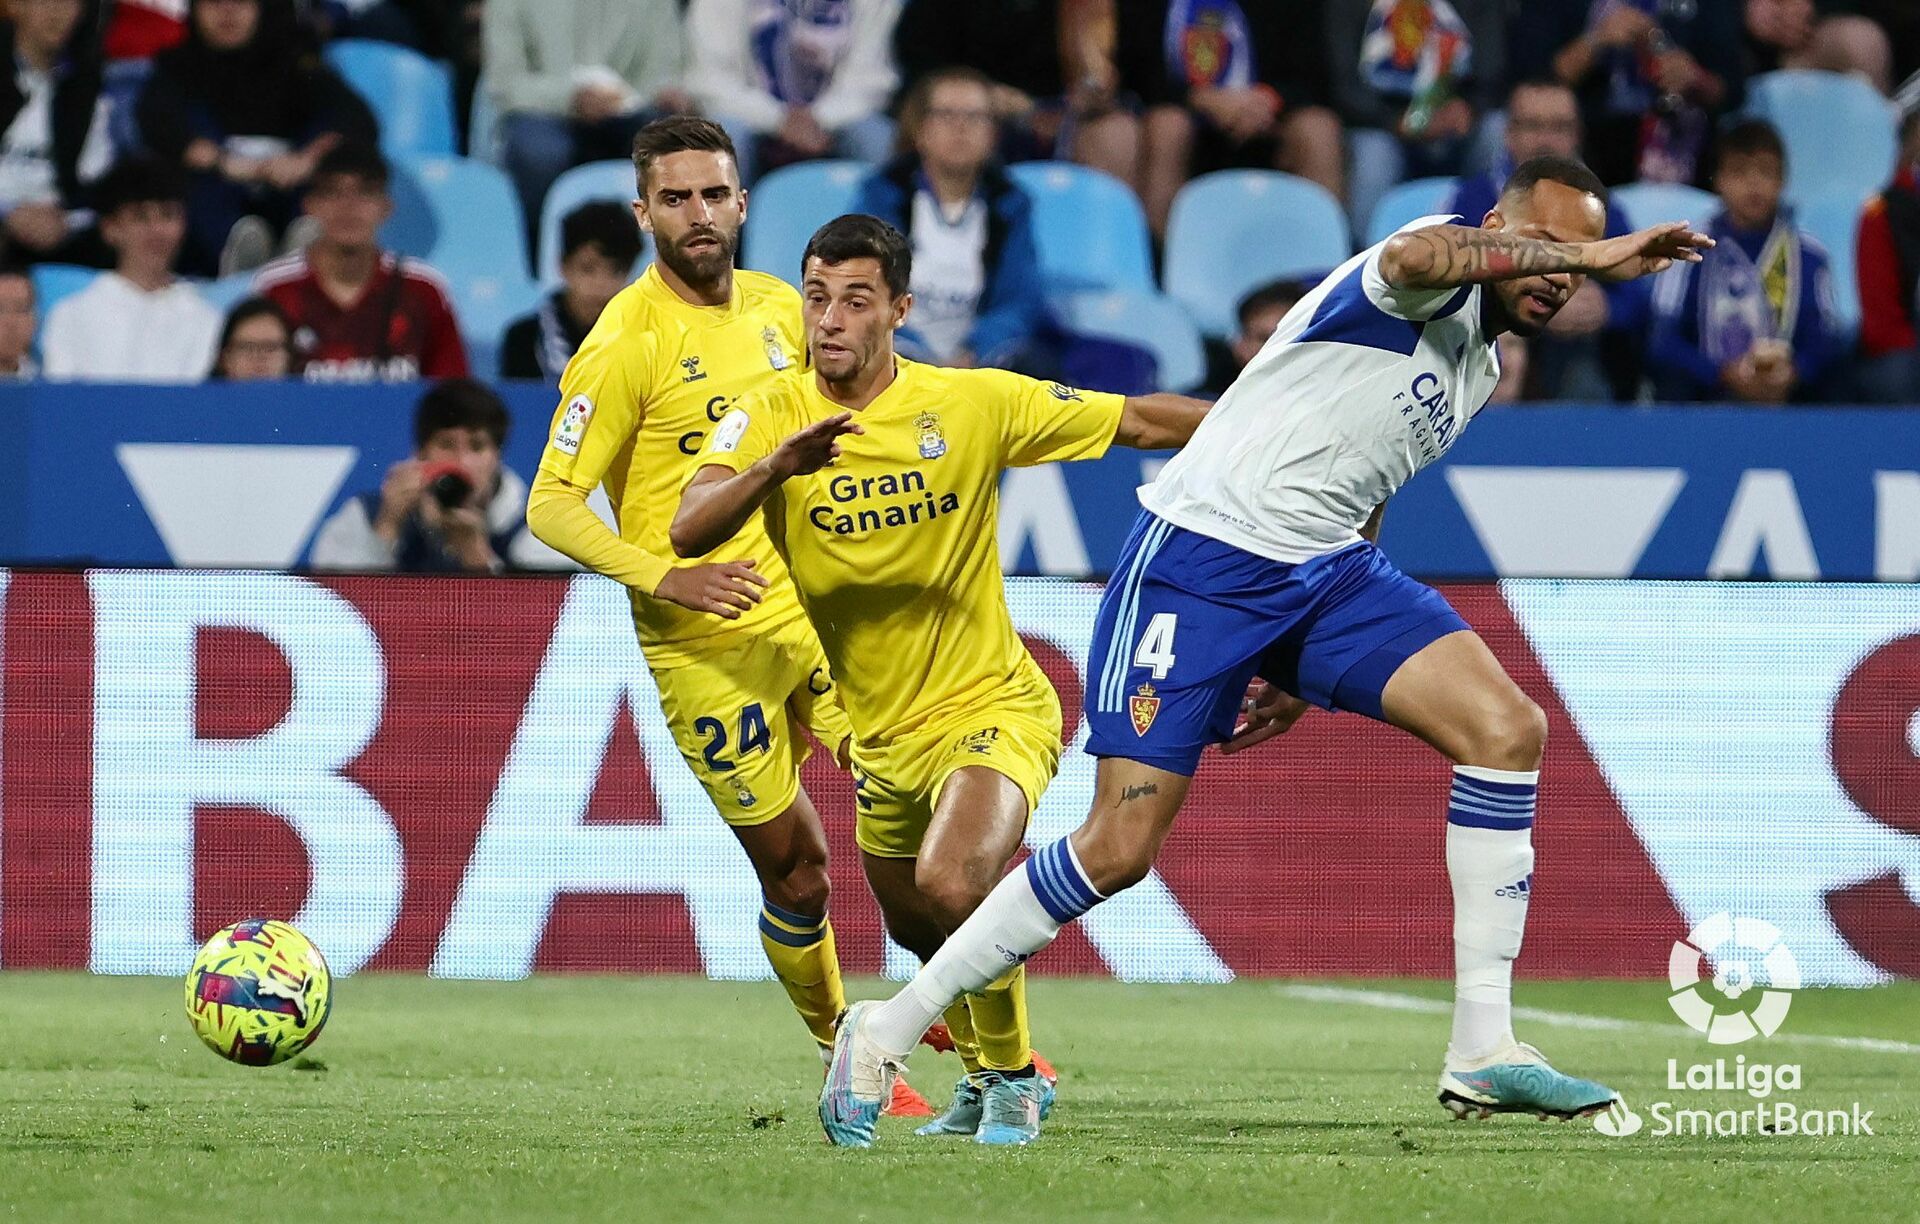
692 366
1061 391
1518 891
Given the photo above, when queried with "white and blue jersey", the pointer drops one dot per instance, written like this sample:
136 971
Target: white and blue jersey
1248 558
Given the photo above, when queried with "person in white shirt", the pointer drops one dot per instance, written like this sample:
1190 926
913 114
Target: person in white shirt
137 323
1252 587
53 132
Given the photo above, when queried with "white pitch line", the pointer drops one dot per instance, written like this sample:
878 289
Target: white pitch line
1390 1000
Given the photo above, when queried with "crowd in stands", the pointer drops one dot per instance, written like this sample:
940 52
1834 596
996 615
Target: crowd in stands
245 178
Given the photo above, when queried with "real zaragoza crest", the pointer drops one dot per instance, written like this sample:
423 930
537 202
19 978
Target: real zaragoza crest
933 443
1144 705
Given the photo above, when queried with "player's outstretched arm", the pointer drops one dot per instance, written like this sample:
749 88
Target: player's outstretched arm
1448 256
1160 421
719 501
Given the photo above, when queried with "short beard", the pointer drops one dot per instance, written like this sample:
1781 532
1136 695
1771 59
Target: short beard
700 271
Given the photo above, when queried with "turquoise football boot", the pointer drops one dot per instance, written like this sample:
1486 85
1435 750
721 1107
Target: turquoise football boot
962 1116
1518 1079
859 1083
1011 1109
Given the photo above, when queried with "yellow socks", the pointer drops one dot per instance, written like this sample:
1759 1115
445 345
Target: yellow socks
800 949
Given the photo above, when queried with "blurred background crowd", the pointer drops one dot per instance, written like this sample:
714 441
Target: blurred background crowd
1122 192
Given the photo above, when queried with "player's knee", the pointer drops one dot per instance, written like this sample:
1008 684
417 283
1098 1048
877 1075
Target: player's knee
803 889
1113 856
1513 735
951 891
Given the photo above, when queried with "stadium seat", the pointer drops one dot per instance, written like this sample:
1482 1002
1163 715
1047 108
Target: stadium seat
1646 204
1149 320
411 95
788 204
53 282
601 180
1411 200
1833 219
1088 226
1233 231
460 215
227 292
485 301
1840 133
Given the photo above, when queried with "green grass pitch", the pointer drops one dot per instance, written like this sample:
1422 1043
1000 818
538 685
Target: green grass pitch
664 1099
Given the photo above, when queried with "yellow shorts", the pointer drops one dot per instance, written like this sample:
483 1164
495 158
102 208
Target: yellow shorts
736 714
899 784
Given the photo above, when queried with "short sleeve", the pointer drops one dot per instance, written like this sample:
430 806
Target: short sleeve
750 431
600 408
1415 305
1047 422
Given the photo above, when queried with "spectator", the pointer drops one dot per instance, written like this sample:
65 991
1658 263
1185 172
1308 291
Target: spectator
574 80
1260 313
1217 83
1651 77
136 323
1016 43
1411 79
453 508
256 343
18 323
1591 349
1754 320
1793 34
599 242
142 29
793 81
248 109
976 282
1889 274
55 140
361 314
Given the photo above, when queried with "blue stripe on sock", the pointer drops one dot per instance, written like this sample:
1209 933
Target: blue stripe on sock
1063 891
781 935
1060 912
1495 788
1079 886
1475 820
791 918
1514 804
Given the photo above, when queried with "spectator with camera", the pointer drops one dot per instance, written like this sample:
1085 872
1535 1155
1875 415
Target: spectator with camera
451 508
599 243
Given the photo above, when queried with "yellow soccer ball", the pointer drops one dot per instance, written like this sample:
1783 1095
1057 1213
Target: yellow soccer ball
259 993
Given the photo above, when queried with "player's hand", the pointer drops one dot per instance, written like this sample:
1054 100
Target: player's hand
1269 711
1646 251
814 447
725 589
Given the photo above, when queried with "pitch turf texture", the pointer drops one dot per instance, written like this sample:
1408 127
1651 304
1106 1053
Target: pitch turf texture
624 1099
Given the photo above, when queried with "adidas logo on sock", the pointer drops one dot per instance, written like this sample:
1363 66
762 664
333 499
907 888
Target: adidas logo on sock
1009 955
1518 891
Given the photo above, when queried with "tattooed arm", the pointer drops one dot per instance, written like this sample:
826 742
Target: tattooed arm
1447 256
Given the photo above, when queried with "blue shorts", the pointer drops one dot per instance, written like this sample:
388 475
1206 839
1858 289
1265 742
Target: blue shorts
1188 621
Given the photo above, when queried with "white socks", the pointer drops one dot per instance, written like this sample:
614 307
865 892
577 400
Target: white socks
1490 864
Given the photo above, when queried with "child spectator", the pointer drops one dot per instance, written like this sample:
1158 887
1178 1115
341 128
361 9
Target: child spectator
136 323
255 344
599 242
1754 320
361 314
1259 314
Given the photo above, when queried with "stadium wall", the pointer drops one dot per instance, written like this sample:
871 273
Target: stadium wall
241 475
472 778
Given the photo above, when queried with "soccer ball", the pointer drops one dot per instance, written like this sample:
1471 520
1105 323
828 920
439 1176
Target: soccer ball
258 993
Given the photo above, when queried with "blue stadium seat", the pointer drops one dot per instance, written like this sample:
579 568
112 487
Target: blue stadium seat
1833 219
1147 319
227 292
1645 204
411 95
1088 226
601 180
53 282
485 301
787 205
460 215
1411 200
1232 231
1840 133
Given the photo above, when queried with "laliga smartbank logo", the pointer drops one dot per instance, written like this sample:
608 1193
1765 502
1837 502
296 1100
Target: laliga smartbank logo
1733 980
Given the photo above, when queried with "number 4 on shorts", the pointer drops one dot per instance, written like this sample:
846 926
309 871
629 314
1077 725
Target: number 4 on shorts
1156 645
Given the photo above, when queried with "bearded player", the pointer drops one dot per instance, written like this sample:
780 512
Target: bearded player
880 482
1254 561
739 669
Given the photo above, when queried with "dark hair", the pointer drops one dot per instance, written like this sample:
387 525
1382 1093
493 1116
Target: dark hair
602 224
919 98
677 134
859 236
1548 168
459 403
139 180
1749 137
246 312
356 158
1269 295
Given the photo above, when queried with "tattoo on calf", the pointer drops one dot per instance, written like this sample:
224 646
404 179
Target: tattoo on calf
1135 792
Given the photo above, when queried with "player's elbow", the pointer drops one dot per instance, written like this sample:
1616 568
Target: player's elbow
1406 260
688 535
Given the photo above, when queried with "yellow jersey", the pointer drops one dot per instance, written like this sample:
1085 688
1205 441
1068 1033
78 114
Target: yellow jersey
637 402
895 547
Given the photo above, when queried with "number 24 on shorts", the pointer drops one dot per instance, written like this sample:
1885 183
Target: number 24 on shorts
1156 644
752 737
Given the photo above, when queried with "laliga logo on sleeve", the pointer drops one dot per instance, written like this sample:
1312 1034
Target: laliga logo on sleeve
1733 948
